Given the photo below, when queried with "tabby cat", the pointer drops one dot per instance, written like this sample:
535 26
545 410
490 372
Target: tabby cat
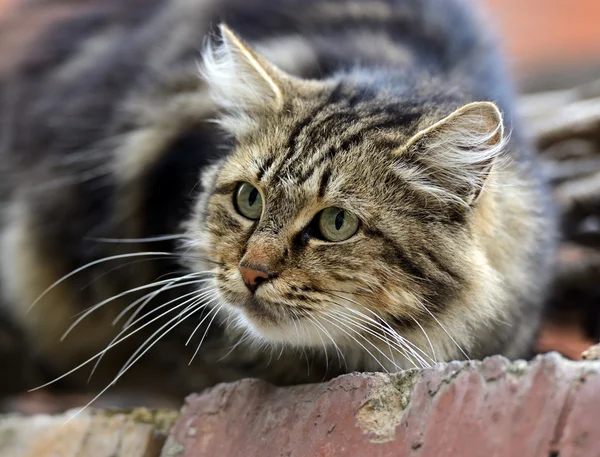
316 187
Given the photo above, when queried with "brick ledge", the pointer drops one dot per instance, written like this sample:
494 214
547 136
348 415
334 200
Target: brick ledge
547 407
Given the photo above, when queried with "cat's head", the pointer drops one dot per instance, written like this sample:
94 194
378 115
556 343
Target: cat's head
343 206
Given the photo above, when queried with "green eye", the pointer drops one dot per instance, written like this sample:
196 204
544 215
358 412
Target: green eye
248 201
337 224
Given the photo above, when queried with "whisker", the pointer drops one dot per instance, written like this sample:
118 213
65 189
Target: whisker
117 296
358 342
383 338
137 240
182 255
193 307
281 351
217 308
173 273
229 320
363 325
402 343
242 339
114 297
202 321
340 354
119 267
209 293
426 337
445 331
110 346
304 353
380 321
154 294
123 371
298 342
197 294
270 356
399 341
91 264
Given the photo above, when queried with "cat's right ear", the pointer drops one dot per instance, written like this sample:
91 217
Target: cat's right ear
457 153
241 82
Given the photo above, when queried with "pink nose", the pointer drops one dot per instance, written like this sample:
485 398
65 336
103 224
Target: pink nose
253 277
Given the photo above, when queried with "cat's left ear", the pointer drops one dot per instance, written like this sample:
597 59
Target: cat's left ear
457 153
241 81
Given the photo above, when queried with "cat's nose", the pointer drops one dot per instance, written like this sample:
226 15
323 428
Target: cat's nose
254 276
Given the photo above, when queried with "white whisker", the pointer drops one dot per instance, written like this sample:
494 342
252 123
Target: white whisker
197 294
155 293
339 352
359 343
294 321
445 331
396 345
213 298
120 267
110 346
192 308
117 296
216 312
125 369
244 337
91 264
137 240
427 338
387 328
401 343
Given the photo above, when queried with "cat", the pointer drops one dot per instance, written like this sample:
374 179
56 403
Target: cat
306 189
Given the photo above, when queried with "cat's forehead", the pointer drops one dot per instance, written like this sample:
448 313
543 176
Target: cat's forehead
330 131
335 149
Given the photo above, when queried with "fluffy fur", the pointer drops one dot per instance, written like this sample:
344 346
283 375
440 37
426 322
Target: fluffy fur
397 111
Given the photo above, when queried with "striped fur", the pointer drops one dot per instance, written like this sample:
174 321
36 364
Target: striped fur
396 110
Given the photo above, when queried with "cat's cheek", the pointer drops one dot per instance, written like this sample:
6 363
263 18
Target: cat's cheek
232 287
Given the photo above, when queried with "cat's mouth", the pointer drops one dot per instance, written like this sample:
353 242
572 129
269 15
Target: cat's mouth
266 317
265 320
291 324
261 312
268 320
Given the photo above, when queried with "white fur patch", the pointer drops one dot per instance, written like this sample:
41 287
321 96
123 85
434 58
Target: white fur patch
462 148
240 81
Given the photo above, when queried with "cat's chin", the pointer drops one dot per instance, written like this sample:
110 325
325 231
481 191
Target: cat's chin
262 322
268 326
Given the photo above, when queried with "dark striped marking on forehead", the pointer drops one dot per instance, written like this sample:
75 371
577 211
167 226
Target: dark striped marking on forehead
317 138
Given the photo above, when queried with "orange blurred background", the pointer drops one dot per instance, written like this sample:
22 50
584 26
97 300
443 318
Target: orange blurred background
550 42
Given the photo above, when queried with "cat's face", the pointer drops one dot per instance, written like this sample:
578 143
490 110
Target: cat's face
336 214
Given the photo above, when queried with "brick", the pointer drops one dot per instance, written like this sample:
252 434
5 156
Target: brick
138 433
547 407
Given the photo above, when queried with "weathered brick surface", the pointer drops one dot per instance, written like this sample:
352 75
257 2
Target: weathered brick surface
549 407
139 433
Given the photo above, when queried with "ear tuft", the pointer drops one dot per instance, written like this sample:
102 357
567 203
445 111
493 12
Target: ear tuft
240 81
459 151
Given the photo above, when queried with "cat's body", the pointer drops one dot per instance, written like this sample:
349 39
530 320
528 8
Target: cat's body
105 132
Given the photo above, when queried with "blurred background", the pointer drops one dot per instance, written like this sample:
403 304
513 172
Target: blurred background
553 49
551 44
